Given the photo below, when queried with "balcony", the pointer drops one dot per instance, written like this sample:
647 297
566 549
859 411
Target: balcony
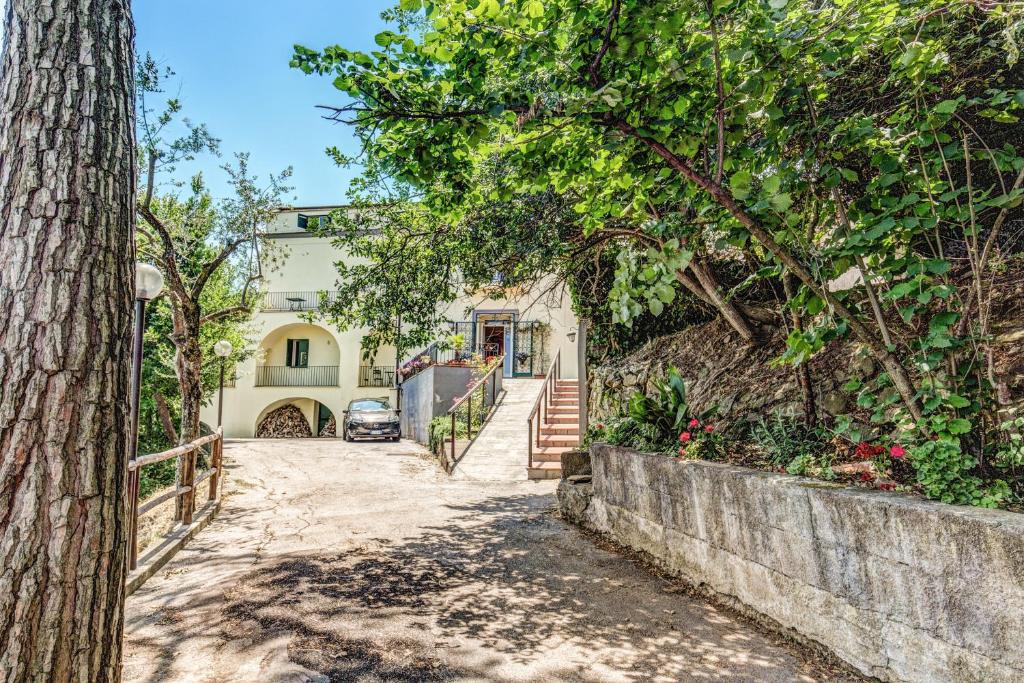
285 376
377 376
296 301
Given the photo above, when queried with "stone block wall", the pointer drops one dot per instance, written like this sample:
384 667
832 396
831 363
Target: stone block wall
901 588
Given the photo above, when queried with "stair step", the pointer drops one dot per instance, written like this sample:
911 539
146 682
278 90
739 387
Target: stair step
550 453
544 470
560 440
563 410
560 428
563 418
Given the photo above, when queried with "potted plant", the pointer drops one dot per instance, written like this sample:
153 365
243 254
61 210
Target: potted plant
457 342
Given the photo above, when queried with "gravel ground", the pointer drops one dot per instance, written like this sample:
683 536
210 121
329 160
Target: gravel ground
363 562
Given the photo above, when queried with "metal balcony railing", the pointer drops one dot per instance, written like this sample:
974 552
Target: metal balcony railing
284 376
377 376
296 301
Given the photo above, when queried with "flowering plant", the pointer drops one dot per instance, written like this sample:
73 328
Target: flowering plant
700 442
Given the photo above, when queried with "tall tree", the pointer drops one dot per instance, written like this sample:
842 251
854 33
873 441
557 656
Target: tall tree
196 242
67 186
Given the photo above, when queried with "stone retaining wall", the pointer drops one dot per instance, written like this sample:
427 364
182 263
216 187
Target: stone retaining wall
901 588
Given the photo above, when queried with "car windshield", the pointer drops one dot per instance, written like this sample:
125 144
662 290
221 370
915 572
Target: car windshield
369 405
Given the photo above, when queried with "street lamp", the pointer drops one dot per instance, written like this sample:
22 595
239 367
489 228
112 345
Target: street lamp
222 349
148 283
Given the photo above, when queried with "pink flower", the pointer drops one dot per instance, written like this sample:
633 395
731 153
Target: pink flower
898 452
693 423
684 437
600 425
709 428
682 451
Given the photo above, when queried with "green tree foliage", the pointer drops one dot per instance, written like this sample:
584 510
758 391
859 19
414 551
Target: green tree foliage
877 142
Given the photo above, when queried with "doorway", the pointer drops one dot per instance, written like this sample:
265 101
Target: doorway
494 339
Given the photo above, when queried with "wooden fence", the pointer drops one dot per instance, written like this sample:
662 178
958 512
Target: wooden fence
186 492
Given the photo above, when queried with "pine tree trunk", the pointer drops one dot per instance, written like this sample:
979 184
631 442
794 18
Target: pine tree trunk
67 183
188 364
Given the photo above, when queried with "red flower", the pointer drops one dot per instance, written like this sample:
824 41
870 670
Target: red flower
600 425
887 486
865 450
709 428
866 476
682 451
684 437
693 423
898 452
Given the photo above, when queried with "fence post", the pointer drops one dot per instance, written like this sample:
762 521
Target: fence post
133 510
215 463
453 436
469 416
188 498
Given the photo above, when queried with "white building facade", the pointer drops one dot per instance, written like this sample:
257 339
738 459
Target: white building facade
320 369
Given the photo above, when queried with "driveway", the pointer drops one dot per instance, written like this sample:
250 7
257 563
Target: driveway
363 562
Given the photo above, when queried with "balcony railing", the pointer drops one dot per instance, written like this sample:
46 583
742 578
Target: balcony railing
284 376
296 301
377 376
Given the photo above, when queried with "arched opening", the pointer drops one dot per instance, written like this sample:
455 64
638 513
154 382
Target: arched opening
295 418
298 355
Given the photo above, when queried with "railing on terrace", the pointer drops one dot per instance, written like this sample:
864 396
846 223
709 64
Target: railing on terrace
296 301
285 376
539 414
486 383
186 492
377 375
440 354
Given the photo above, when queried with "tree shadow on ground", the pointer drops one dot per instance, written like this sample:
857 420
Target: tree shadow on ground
501 586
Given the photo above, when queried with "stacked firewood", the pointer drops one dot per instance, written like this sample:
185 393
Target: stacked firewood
286 422
330 427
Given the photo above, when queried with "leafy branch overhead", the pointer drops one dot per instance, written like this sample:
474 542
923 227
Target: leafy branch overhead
860 160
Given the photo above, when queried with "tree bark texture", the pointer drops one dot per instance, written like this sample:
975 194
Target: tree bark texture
188 361
67 184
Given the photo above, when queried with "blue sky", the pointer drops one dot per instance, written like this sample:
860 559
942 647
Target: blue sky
231 63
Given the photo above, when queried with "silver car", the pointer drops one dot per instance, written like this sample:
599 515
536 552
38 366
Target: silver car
371 418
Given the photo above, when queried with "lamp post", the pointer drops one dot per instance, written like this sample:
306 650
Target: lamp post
222 349
148 283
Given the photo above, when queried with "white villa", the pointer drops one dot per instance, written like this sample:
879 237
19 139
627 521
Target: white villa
319 368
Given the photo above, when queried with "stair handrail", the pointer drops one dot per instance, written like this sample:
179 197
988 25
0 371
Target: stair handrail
498 364
542 404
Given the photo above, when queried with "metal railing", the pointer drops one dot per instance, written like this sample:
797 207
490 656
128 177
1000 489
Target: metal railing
377 375
440 354
286 376
187 490
467 400
297 301
539 414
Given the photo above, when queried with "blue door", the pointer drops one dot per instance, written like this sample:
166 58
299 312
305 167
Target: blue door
510 353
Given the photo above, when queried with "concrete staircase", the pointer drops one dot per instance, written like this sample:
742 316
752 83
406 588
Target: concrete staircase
559 430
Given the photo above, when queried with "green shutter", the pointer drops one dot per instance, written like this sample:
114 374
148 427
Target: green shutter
302 353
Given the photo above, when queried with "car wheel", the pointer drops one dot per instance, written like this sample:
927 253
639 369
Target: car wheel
347 436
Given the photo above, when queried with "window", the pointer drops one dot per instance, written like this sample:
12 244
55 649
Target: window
298 353
306 222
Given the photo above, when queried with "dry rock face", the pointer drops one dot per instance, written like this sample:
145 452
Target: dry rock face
720 370
286 422
330 427
901 588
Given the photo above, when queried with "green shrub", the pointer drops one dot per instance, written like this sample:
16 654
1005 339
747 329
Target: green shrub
787 442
